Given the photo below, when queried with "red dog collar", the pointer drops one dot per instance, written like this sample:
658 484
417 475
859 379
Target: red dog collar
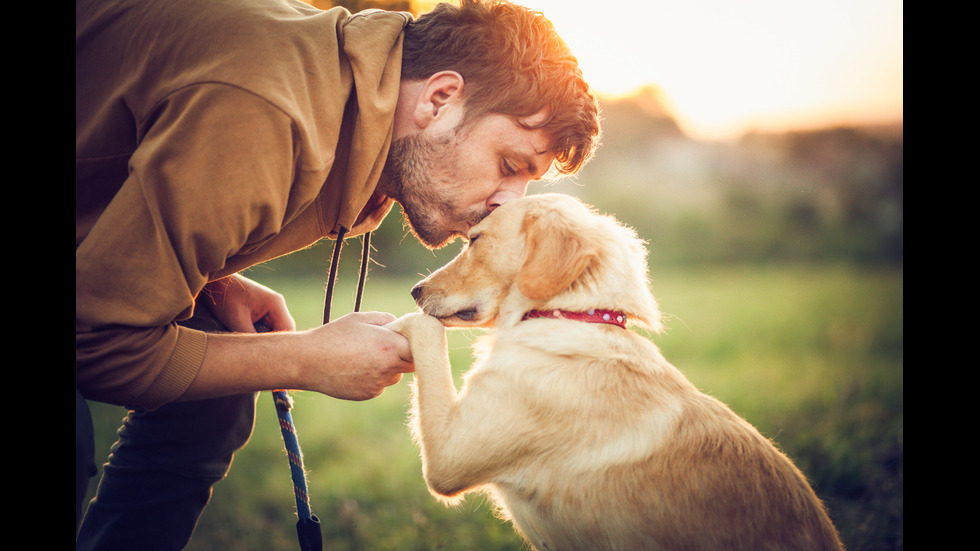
589 316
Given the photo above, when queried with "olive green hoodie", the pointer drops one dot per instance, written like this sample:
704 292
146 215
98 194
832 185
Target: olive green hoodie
211 135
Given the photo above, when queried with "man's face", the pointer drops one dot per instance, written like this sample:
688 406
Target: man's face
448 182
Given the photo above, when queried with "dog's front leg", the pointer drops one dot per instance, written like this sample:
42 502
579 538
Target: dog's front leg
434 401
430 352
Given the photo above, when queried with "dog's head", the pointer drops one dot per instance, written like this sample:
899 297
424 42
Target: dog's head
542 251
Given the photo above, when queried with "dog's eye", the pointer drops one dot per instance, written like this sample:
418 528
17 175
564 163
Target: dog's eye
473 239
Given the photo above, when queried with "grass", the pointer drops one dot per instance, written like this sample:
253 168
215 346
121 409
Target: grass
813 356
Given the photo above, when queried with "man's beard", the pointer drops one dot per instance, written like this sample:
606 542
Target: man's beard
413 162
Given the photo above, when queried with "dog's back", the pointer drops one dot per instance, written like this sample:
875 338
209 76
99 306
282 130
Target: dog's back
624 449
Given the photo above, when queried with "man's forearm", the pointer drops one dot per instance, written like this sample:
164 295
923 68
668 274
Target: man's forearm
352 358
237 363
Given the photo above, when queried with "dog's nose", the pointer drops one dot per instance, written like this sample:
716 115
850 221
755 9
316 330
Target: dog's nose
417 292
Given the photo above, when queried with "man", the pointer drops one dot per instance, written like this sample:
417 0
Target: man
212 135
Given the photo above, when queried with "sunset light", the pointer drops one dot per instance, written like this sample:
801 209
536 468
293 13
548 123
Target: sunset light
729 67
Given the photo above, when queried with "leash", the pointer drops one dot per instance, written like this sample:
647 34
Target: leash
332 276
308 525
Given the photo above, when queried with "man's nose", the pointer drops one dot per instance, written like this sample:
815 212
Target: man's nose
507 193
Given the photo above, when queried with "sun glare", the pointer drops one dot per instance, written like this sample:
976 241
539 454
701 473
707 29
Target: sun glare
729 67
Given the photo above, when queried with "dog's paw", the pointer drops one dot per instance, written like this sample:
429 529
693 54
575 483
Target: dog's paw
418 325
401 325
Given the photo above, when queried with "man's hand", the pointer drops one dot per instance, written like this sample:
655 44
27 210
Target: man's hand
239 303
355 358
351 358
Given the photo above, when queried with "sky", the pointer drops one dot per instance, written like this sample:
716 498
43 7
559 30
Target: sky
729 66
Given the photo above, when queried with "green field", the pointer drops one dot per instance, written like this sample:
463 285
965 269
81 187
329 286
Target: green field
813 356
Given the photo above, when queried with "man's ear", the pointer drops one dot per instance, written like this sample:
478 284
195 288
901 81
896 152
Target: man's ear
440 99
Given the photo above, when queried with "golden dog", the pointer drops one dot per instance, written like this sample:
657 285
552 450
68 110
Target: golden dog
579 429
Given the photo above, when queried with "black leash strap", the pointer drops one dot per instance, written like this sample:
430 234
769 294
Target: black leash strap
365 262
332 275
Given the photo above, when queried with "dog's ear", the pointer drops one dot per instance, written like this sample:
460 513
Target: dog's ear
556 254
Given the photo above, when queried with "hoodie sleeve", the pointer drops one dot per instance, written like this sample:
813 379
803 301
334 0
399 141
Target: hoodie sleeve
211 178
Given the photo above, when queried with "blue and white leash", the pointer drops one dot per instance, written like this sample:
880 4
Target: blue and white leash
308 526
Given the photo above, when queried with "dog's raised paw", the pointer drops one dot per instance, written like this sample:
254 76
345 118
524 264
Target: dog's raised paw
416 323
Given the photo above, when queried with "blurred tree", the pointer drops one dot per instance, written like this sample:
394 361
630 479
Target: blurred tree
639 120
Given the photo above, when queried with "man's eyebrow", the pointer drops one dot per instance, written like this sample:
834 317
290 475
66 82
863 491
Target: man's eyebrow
531 166
528 159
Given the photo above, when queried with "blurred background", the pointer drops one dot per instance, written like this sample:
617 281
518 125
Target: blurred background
742 132
758 148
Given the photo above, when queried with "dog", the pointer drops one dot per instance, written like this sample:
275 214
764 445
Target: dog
579 430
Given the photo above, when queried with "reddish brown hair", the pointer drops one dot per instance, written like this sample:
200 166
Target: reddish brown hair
512 62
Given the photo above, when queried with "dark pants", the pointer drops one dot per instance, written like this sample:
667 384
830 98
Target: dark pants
160 471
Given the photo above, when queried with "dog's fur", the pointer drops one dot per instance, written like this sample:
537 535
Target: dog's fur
583 434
